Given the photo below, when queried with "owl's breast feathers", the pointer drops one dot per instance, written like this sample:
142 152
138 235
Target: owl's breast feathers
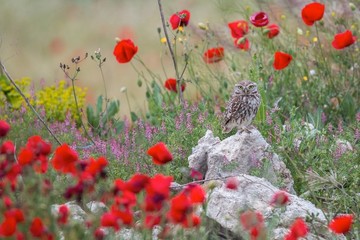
238 104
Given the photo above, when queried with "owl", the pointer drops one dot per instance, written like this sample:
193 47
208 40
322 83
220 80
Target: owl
241 107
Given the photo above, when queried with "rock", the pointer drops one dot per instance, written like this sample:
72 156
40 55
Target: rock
241 153
199 157
76 212
224 206
127 234
97 207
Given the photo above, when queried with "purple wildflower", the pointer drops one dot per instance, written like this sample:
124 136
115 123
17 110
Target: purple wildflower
189 125
323 118
357 134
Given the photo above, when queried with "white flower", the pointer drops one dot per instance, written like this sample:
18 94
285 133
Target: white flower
299 31
123 89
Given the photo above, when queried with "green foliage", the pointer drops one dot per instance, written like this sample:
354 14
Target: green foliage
100 120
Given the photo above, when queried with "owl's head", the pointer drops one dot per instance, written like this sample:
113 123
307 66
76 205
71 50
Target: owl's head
245 88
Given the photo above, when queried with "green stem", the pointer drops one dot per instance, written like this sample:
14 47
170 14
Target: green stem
327 72
178 79
105 89
78 110
128 102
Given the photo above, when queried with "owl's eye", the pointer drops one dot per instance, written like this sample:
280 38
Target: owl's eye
251 86
240 87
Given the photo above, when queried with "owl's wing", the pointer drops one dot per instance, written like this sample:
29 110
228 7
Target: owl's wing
231 108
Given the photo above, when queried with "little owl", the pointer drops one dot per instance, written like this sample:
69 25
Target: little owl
242 106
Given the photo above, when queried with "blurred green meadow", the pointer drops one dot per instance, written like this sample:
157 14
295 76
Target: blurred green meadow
37 35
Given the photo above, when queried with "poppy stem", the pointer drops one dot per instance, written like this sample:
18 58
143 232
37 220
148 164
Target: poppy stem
79 113
178 77
4 71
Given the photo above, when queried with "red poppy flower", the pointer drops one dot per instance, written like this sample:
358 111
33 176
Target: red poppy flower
7 202
7 148
272 30
232 183
108 219
26 156
281 60
280 199
137 182
37 227
12 173
63 214
196 174
95 167
65 159
179 19
341 224
298 229
126 216
250 219
242 43
77 190
191 221
15 213
157 190
8 227
99 234
259 19
38 145
159 184
125 50
126 199
151 220
196 193
239 28
171 85
4 128
160 154
343 40
253 223
180 206
213 55
312 12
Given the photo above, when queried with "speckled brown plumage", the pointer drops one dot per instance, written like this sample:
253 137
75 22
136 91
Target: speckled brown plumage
241 107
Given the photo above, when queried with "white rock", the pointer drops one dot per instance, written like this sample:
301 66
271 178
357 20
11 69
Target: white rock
97 207
225 205
198 158
76 212
239 154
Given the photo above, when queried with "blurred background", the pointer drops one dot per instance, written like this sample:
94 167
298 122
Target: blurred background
37 35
